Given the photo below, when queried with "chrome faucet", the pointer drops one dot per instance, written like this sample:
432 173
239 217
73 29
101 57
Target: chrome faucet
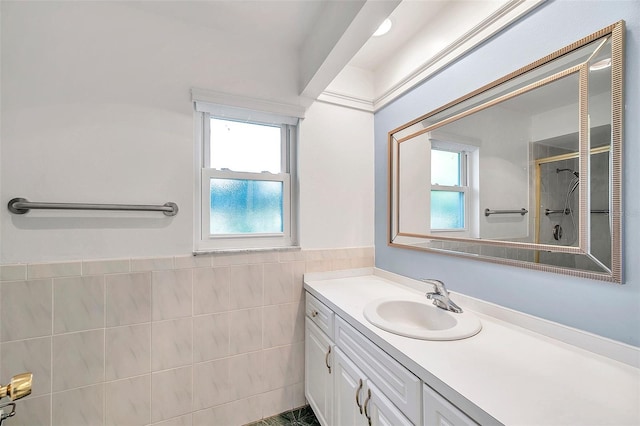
440 296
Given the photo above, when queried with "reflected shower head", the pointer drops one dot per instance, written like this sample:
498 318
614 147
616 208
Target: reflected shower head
576 174
574 184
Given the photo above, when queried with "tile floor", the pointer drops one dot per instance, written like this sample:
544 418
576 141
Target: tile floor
299 417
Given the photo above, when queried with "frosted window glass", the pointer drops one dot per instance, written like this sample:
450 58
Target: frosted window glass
447 210
245 147
241 206
445 168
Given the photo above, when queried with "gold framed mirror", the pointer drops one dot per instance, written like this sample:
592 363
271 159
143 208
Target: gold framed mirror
525 171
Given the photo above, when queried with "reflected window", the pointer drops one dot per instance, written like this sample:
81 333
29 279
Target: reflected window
445 167
449 188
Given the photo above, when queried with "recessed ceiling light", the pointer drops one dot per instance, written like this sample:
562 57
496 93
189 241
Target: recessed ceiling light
600 65
383 28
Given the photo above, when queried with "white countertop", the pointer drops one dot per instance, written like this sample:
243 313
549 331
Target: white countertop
505 373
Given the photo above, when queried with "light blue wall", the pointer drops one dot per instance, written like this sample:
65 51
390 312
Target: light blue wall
605 309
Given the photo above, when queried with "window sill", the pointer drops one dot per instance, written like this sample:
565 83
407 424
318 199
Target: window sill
246 250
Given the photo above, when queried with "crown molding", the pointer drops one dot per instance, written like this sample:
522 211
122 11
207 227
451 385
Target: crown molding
488 27
348 101
492 24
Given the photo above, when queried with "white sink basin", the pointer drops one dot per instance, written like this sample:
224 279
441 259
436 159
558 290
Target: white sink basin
420 319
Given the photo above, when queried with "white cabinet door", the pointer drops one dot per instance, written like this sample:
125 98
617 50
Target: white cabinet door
381 410
397 383
350 389
440 412
318 373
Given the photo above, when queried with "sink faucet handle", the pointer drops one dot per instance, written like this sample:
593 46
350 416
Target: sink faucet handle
439 285
440 296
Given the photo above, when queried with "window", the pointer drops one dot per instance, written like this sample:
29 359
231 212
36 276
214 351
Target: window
246 172
449 190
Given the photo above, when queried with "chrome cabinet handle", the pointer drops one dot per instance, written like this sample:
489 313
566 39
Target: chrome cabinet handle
314 314
326 359
365 406
358 396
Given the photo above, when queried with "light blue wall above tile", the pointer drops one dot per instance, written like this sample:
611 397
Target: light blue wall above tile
606 309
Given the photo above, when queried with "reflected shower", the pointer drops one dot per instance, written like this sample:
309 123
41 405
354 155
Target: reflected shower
568 210
574 183
576 174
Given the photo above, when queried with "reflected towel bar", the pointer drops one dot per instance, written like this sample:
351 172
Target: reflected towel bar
547 212
522 212
22 206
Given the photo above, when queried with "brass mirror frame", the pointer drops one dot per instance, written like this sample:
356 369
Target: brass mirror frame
617 33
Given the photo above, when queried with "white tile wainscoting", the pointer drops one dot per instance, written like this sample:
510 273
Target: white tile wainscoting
211 339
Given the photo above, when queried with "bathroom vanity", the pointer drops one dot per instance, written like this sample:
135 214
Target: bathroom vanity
516 370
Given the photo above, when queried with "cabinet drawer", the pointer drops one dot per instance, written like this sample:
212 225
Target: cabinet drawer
440 412
395 381
320 314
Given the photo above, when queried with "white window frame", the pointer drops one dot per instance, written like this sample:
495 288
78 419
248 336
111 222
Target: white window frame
464 188
203 241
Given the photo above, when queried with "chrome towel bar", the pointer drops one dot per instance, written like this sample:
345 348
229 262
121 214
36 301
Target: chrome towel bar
547 212
22 206
522 211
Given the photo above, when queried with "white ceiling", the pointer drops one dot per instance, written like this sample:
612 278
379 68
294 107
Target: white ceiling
409 18
318 36
268 22
332 38
289 23
425 37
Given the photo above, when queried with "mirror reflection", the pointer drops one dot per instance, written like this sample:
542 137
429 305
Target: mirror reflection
522 171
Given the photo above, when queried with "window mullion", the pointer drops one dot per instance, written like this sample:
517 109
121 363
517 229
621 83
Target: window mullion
206 140
284 148
464 175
